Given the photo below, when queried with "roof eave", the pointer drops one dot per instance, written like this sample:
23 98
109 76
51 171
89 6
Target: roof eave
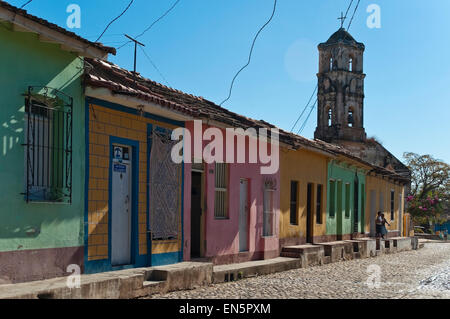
46 34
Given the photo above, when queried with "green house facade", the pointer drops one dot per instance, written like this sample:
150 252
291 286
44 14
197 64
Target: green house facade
42 147
346 200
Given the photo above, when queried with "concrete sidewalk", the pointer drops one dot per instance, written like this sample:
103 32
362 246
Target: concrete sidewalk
142 282
124 284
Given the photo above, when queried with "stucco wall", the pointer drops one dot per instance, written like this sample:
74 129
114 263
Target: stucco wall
346 174
29 62
383 186
222 235
303 167
108 120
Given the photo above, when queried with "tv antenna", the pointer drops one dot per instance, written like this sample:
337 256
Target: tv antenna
136 43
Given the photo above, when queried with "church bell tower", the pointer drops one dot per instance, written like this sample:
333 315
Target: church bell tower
341 89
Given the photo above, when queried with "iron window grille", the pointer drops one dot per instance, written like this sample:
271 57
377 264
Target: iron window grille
269 207
48 145
221 191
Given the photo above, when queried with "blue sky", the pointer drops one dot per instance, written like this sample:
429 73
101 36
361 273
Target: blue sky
200 45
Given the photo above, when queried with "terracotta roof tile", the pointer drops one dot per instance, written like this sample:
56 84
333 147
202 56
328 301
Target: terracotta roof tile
120 81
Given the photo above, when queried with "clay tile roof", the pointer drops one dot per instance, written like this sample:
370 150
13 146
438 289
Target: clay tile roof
105 74
120 81
55 27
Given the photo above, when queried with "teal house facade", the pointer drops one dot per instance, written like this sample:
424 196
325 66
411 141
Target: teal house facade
346 199
42 146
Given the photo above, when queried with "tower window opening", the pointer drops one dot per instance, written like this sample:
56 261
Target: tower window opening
351 118
350 65
330 117
331 64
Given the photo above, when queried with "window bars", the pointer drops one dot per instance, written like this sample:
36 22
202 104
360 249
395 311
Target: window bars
270 186
221 187
48 145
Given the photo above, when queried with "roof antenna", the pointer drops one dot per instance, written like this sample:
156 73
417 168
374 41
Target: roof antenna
136 43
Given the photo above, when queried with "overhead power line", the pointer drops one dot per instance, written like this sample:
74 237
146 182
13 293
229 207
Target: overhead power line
251 52
300 131
159 19
343 18
354 12
306 107
348 9
153 24
114 20
154 66
26 3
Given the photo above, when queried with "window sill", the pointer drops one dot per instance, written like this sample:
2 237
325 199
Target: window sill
41 202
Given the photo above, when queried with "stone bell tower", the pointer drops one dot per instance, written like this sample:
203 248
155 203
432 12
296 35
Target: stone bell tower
341 89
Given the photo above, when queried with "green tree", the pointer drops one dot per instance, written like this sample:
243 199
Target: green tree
430 188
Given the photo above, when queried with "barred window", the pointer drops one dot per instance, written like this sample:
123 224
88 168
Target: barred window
332 198
319 204
48 146
221 195
392 205
294 203
268 213
347 200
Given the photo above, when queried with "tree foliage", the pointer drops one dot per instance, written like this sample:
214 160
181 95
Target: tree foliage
430 186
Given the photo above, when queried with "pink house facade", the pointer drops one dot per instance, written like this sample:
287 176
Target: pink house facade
231 210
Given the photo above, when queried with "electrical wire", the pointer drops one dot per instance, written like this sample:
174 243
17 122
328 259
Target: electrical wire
26 3
300 131
159 19
251 52
114 20
354 12
346 13
153 24
306 107
154 66
313 107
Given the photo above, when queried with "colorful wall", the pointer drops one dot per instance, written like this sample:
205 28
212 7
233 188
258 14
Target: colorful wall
37 240
222 235
340 174
107 123
304 167
380 189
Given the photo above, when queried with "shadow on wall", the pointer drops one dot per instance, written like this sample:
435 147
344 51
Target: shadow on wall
20 220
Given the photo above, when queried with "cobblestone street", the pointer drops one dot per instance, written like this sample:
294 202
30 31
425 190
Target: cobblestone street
415 274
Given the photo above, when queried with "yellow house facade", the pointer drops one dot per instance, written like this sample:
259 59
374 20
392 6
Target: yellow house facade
386 195
303 193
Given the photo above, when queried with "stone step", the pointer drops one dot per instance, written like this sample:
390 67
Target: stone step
302 249
233 272
147 284
291 254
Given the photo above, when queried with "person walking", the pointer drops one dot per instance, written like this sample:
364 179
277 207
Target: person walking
384 231
379 225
